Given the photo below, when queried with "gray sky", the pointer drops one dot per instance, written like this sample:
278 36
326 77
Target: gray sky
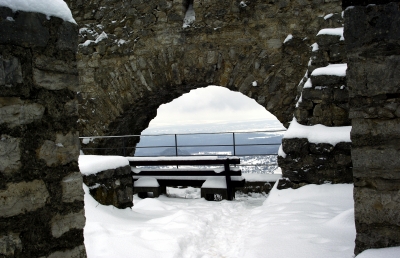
209 105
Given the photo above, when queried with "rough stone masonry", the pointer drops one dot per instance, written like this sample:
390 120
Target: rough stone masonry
41 195
373 48
135 55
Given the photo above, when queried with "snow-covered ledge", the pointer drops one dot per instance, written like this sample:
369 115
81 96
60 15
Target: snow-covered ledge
108 178
316 154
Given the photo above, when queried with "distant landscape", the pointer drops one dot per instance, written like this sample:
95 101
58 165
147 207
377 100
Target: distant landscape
257 142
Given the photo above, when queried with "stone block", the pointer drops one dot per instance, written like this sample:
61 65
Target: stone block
9 244
68 37
377 158
365 77
77 252
387 129
367 26
55 81
377 207
15 112
64 150
61 224
56 65
10 154
22 197
10 71
26 30
72 187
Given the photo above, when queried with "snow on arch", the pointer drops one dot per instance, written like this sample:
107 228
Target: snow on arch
56 8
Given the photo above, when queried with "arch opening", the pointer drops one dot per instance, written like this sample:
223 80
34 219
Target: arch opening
214 121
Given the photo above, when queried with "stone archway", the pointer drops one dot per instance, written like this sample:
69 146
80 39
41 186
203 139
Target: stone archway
135 56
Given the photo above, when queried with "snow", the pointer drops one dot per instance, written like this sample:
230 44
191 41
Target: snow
92 164
214 182
390 252
315 47
254 83
318 133
326 17
146 182
332 69
56 8
289 37
190 17
332 31
308 84
176 158
312 221
252 177
281 153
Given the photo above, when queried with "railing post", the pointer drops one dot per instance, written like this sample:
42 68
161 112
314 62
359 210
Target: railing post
234 145
176 145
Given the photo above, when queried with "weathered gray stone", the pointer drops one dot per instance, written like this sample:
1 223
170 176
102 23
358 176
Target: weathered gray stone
15 32
10 154
22 197
72 187
379 158
10 71
15 112
64 150
379 207
9 244
55 81
61 224
77 252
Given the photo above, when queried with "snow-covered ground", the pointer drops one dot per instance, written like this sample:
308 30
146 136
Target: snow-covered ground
313 221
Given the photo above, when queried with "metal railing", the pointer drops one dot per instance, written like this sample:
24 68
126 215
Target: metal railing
256 143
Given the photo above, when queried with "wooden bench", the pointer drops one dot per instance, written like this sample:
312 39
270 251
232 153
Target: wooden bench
194 176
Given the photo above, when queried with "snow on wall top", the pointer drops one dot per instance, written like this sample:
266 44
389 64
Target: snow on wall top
318 133
56 8
332 31
332 69
92 164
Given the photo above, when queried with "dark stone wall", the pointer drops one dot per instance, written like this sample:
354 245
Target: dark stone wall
148 58
373 47
41 196
322 99
112 187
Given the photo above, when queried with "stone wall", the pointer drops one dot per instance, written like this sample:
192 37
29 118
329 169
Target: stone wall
41 196
135 55
373 49
322 99
112 187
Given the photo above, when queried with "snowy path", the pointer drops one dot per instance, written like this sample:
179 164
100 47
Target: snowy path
311 222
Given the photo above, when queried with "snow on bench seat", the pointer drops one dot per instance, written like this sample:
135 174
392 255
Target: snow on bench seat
215 182
198 178
146 181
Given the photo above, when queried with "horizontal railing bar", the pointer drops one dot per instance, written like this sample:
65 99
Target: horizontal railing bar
136 135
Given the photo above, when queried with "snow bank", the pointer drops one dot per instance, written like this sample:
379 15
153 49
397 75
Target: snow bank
56 8
92 164
146 182
332 31
304 220
250 177
318 133
390 252
332 69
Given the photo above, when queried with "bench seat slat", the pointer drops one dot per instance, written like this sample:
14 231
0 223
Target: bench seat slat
181 172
